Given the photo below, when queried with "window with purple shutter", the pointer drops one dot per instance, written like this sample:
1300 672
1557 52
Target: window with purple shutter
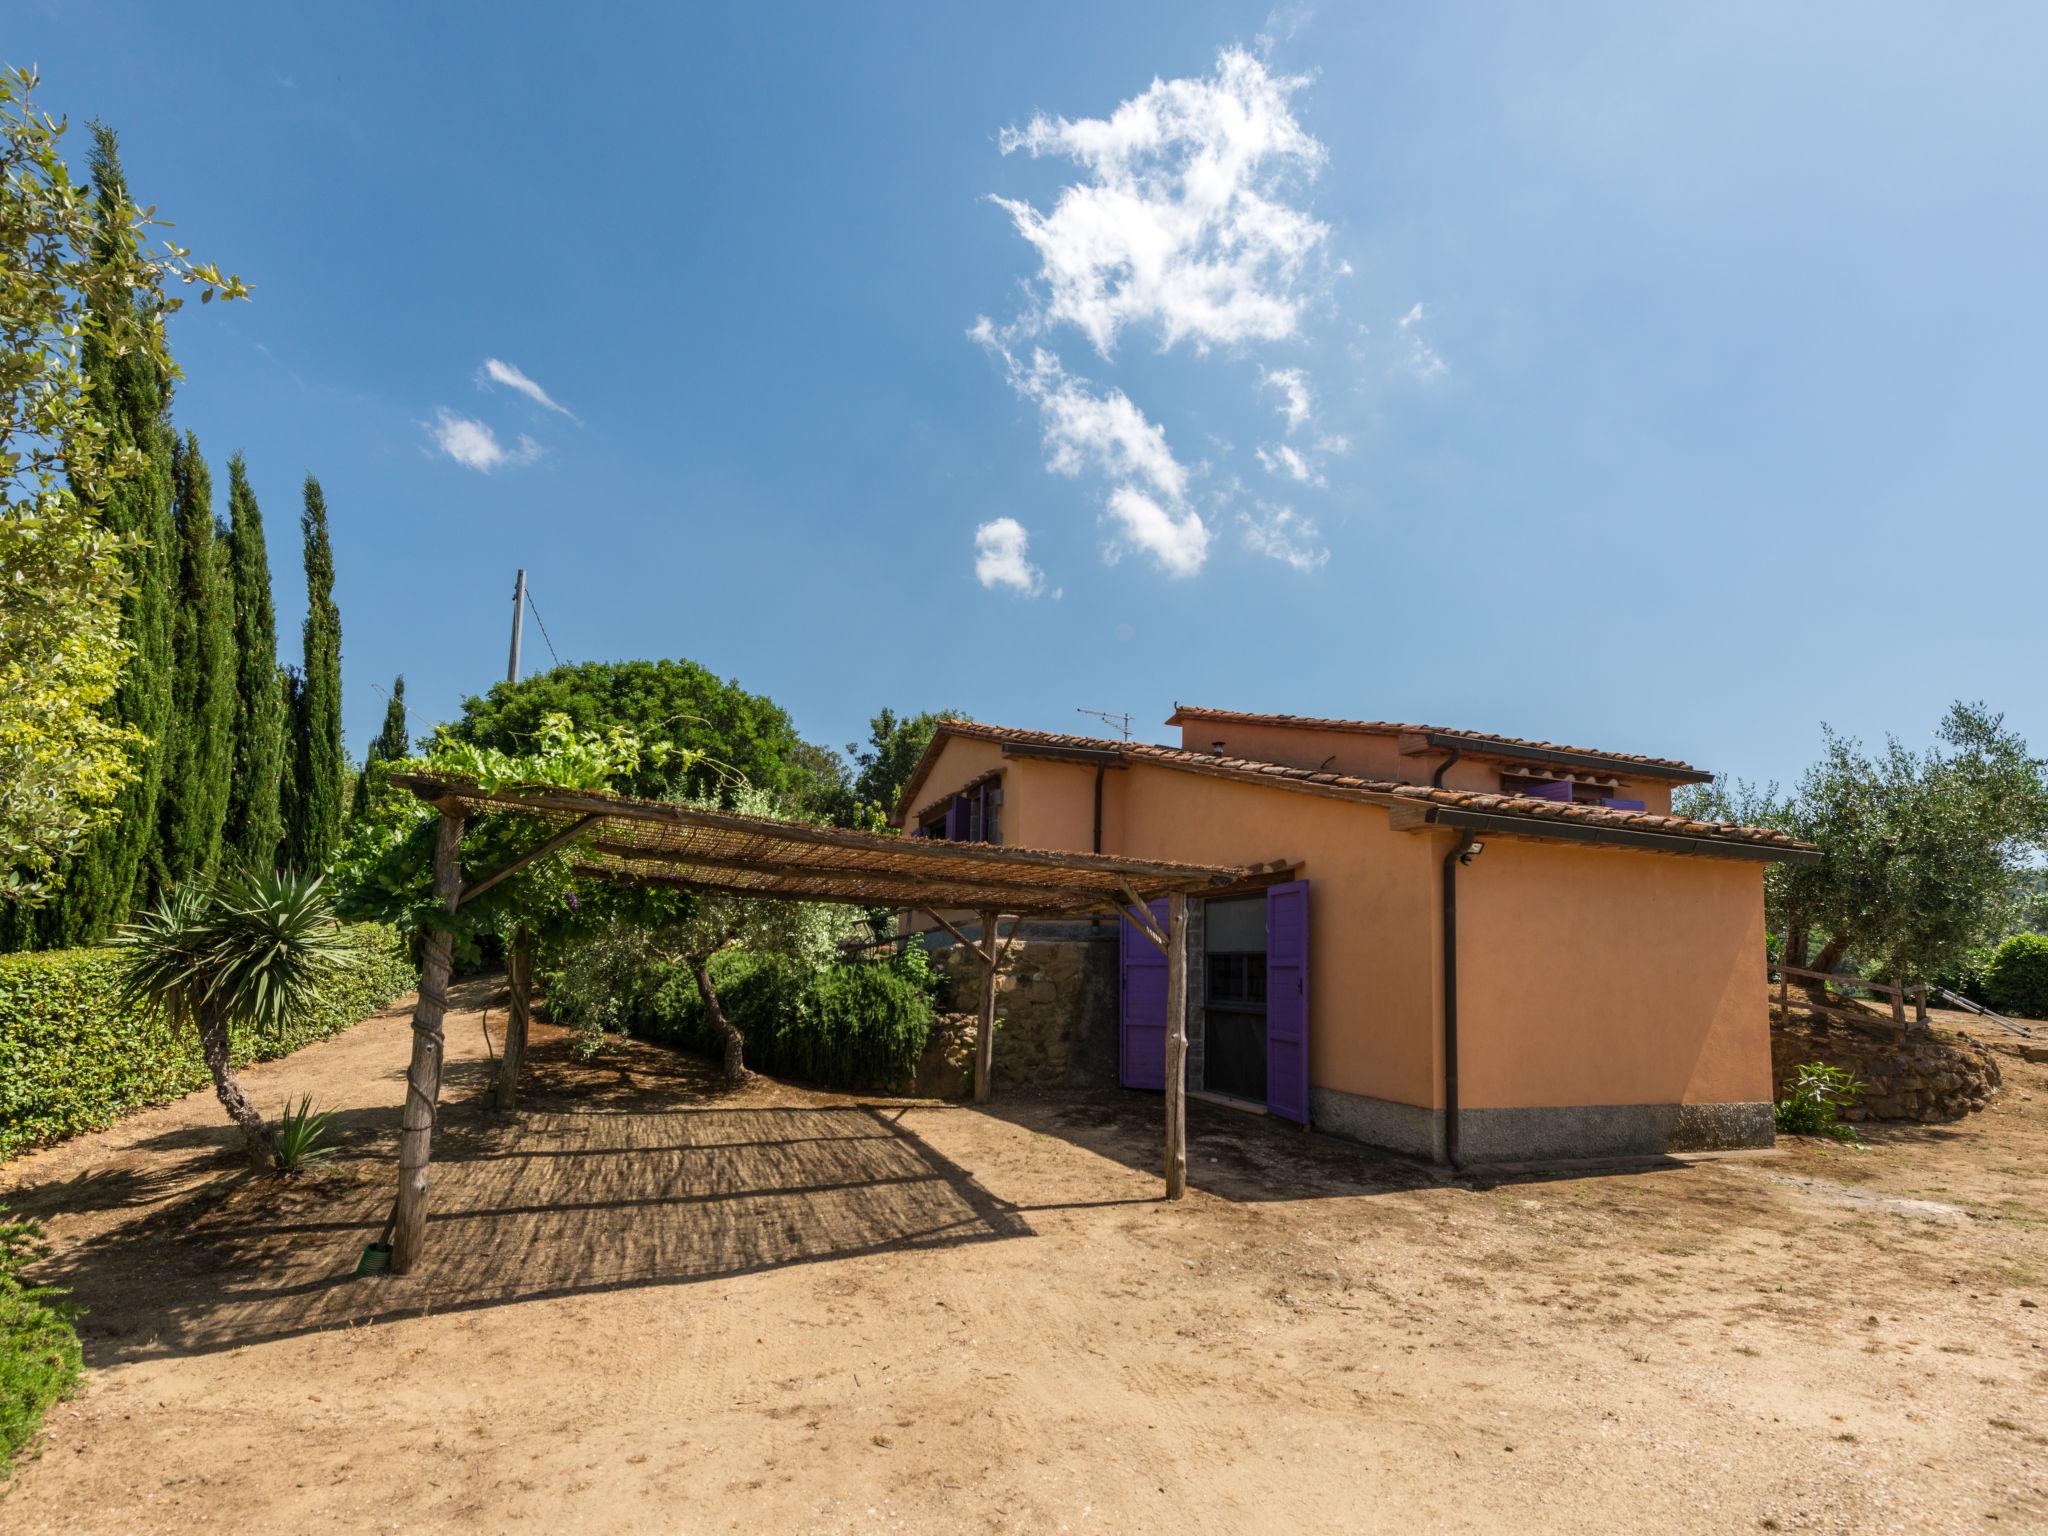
1142 1001
1287 1000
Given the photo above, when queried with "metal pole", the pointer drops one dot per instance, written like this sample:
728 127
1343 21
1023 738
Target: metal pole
518 614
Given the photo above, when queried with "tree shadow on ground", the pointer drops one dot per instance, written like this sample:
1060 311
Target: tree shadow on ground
1232 1154
640 1171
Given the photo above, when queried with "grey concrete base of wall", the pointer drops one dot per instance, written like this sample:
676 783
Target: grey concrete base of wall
1609 1130
1404 1128
1543 1135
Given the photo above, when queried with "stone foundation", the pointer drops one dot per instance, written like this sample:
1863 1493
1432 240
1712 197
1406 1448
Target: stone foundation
1911 1073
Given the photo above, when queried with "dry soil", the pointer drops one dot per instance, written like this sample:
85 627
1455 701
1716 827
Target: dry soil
653 1306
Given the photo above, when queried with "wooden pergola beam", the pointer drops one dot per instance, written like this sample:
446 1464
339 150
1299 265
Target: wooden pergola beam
539 851
893 882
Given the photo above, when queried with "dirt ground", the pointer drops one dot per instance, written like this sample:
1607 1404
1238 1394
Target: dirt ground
649 1306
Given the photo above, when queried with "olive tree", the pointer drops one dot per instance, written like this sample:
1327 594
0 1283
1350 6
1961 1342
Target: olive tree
1920 851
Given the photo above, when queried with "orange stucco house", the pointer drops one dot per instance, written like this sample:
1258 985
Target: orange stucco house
1464 947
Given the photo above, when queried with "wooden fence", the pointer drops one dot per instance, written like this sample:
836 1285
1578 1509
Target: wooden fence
1898 992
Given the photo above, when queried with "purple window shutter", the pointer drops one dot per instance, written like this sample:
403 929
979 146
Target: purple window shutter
1561 790
1615 804
956 819
1142 1035
1287 1000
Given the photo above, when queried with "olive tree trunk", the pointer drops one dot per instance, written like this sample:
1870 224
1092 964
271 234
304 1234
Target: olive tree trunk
258 1141
1830 956
735 1045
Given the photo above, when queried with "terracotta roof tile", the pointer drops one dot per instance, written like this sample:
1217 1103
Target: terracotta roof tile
1480 739
1525 807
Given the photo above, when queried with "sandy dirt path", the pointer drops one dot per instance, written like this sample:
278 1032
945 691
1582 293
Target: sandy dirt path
653 1307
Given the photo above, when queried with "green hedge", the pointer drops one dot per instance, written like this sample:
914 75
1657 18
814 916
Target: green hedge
847 1026
72 1059
2016 980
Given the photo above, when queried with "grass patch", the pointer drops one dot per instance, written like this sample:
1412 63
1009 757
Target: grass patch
39 1357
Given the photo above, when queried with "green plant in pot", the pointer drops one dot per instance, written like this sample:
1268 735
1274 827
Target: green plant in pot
243 955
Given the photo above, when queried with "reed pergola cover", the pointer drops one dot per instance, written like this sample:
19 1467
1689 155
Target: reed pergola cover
656 843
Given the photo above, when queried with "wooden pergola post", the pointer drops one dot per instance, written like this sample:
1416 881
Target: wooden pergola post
519 973
423 1075
1176 1046
985 1021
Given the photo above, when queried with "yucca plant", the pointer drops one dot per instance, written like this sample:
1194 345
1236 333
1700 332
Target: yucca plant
247 953
302 1138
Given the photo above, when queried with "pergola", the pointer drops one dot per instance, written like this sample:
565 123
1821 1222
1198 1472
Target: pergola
656 843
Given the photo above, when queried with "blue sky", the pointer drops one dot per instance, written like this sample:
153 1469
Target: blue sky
1674 378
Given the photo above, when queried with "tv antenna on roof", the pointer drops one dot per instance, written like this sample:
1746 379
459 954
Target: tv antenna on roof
1118 718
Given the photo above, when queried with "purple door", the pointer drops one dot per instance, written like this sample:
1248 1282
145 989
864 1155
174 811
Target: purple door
1287 1000
1143 1003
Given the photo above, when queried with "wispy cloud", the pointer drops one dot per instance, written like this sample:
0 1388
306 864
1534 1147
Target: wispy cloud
1282 460
1298 401
1175 537
497 371
1001 557
1419 357
1102 431
475 446
1184 222
1284 535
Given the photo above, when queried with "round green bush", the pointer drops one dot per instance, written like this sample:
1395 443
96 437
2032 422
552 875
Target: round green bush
2016 980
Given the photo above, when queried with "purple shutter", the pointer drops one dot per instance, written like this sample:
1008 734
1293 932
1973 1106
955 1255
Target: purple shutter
1560 789
1287 1000
956 819
1142 1035
1614 803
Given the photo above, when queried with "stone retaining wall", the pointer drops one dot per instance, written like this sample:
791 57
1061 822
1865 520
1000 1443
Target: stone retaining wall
1056 1011
1914 1073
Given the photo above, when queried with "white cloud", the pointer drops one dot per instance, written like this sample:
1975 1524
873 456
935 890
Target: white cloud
1285 536
1000 549
1103 431
1299 402
494 371
1183 221
472 444
1176 537
1284 461
1421 359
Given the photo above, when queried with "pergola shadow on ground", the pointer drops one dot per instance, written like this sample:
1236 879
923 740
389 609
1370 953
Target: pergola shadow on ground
1233 1155
636 1171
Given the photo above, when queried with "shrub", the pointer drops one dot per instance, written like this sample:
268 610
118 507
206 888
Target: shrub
302 1138
39 1358
1814 1101
2016 980
73 1059
847 1025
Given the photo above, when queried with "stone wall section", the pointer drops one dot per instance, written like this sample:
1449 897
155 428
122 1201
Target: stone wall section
1912 1073
1056 1008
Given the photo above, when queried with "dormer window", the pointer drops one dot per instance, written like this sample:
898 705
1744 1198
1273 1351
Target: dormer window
1567 788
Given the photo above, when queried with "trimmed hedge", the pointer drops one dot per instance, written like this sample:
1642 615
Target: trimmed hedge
72 1059
846 1026
2016 979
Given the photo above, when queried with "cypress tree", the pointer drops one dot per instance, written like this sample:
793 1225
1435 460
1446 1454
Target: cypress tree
316 825
130 396
254 827
194 805
391 743
291 693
